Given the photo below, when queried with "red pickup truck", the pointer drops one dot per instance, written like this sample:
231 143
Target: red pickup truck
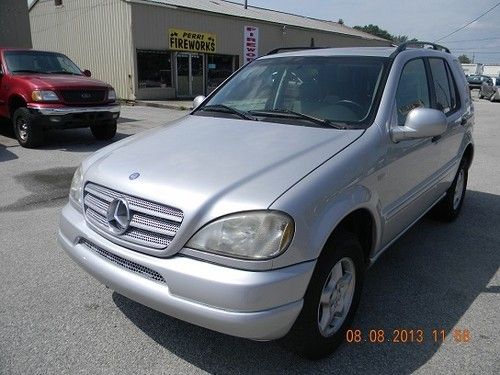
45 90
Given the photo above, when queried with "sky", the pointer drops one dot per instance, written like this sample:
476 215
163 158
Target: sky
425 20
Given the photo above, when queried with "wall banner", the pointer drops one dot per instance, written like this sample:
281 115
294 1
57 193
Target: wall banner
250 43
191 41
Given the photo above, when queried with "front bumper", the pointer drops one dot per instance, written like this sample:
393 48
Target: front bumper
254 305
57 116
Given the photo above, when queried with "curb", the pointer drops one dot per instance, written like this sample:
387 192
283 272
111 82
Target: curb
159 105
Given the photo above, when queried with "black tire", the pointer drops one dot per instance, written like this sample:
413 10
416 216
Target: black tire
449 207
104 132
305 338
28 134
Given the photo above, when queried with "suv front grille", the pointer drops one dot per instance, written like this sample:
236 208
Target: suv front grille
83 96
125 263
151 224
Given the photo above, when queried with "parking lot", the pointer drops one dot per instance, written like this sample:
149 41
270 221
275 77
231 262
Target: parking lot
55 318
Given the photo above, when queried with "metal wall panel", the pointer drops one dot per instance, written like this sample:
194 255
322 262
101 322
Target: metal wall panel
14 24
150 26
93 33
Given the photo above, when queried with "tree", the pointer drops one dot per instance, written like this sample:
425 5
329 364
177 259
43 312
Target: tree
375 30
464 59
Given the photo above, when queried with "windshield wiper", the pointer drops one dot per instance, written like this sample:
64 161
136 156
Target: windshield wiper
63 72
28 71
294 114
227 109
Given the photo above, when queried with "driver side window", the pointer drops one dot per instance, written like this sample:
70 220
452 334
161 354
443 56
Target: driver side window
413 90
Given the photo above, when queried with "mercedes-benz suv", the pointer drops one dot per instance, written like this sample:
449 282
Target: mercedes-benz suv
257 214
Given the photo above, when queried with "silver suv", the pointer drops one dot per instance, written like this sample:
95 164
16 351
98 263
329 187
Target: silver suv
257 214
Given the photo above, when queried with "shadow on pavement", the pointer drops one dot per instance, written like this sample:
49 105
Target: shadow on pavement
72 140
426 280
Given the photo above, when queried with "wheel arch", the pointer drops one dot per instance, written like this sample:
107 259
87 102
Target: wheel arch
469 154
16 101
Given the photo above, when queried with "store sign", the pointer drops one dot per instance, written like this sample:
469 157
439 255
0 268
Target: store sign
191 41
250 43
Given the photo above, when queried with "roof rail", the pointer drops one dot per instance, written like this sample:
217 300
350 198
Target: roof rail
285 49
419 44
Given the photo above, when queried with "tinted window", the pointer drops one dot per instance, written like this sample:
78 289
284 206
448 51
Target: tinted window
413 91
154 68
444 86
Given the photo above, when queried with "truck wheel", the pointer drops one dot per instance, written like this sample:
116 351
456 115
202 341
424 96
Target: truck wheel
28 134
104 132
331 299
449 207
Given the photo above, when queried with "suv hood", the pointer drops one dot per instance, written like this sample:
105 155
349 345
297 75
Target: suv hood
61 81
209 167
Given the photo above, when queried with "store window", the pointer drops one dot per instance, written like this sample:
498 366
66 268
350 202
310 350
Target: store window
154 68
219 67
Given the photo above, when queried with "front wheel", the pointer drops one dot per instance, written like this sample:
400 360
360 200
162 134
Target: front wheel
331 299
27 133
104 131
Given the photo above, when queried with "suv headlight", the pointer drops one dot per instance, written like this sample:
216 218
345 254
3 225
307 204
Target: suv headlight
44 96
253 235
76 189
111 94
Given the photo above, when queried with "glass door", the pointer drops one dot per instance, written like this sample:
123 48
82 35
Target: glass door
190 75
183 81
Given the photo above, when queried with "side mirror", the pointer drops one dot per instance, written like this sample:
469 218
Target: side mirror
87 73
420 123
198 100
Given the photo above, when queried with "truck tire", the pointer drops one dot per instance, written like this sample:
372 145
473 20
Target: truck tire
449 207
329 306
28 134
104 132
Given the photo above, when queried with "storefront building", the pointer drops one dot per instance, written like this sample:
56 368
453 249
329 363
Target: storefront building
174 49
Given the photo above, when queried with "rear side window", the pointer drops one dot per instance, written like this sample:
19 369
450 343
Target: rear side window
413 91
444 86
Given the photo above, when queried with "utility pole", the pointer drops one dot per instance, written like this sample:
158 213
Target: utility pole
246 4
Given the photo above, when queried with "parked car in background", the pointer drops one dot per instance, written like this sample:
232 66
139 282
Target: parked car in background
475 81
490 89
45 90
258 214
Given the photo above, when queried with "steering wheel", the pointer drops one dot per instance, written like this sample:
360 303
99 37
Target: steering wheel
353 105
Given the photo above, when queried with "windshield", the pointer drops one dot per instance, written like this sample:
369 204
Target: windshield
336 89
39 62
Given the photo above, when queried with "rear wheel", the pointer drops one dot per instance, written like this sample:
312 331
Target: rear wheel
27 133
331 299
449 208
104 131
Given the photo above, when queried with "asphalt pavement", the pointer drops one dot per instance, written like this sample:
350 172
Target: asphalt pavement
57 319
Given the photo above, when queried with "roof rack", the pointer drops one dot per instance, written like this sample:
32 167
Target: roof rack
285 49
419 44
